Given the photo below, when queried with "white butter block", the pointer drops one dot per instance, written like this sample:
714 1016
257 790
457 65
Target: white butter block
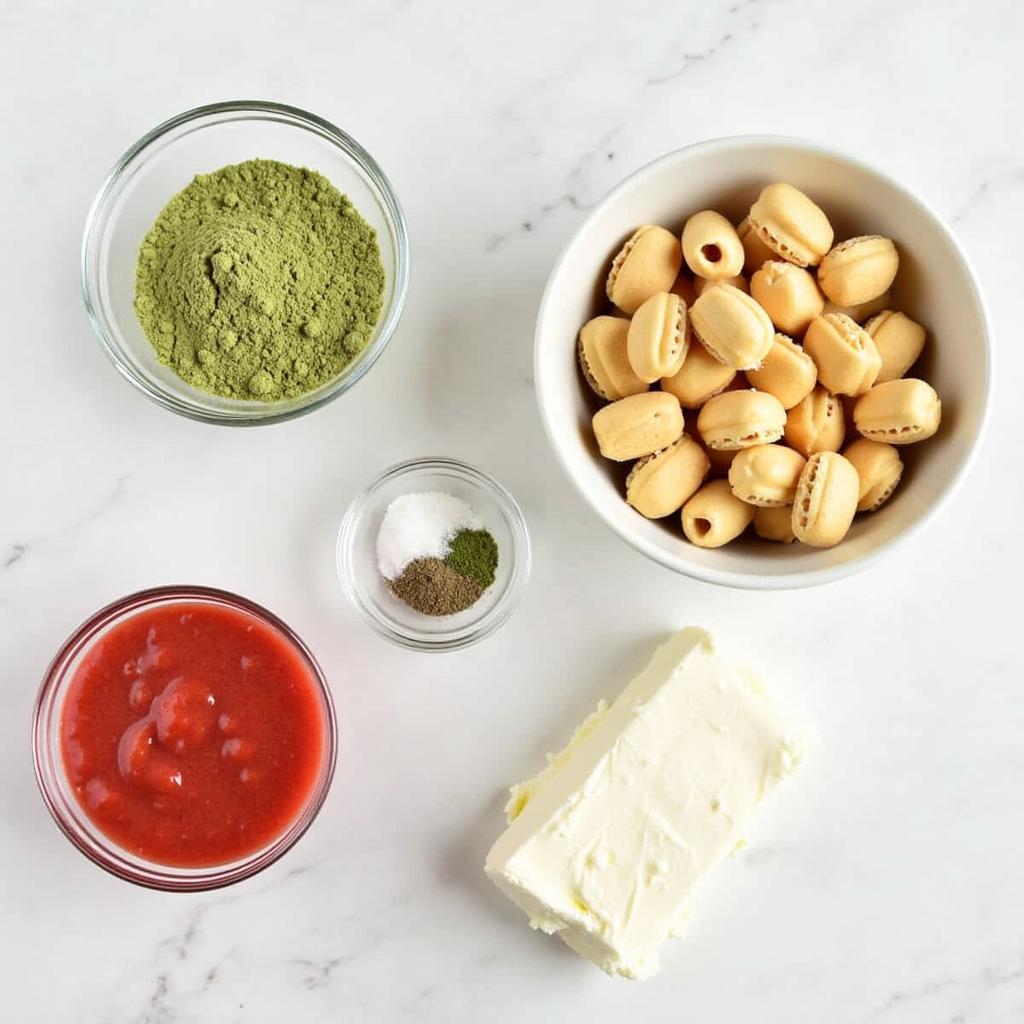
606 846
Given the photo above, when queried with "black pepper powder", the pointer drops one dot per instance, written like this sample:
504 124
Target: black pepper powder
433 588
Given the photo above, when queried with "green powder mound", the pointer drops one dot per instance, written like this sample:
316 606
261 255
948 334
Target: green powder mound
474 554
259 281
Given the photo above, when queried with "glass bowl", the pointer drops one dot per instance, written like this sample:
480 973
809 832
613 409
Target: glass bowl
392 618
61 800
162 163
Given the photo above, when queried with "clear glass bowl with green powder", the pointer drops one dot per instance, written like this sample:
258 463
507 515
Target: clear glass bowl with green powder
359 569
285 366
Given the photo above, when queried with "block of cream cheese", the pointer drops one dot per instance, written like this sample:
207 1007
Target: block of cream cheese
606 846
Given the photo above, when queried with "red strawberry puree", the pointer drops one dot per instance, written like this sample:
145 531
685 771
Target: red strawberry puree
193 735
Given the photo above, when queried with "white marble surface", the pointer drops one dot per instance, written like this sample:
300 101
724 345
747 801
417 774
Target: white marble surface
885 886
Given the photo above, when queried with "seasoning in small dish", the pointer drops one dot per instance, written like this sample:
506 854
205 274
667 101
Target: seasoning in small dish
434 553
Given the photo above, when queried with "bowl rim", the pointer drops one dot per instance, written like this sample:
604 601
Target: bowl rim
85 835
752 580
499 613
256 110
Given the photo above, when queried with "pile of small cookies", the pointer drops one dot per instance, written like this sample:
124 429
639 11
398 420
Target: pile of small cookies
784 366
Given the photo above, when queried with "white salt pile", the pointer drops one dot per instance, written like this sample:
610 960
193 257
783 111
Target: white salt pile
420 525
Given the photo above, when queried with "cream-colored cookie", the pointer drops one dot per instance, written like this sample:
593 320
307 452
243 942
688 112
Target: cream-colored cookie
899 411
701 284
756 253
816 424
660 484
859 269
714 515
732 327
788 294
775 524
637 426
863 310
766 475
826 500
741 419
711 247
787 372
701 377
879 468
648 263
845 354
659 336
899 341
791 225
604 359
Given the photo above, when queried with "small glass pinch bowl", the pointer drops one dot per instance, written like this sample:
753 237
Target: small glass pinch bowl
159 166
391 617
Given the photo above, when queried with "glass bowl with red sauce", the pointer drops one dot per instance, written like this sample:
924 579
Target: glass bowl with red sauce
184 738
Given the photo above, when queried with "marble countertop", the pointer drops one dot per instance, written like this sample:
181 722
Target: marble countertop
885 886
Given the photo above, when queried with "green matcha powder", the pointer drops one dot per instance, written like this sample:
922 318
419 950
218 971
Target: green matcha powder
259 281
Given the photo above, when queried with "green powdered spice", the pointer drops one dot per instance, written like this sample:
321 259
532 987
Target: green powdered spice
259 281
474 553
432 588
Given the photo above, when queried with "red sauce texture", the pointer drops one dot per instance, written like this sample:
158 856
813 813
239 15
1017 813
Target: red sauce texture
193 735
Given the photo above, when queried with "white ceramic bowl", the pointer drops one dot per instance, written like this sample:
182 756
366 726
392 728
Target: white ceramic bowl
935 285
